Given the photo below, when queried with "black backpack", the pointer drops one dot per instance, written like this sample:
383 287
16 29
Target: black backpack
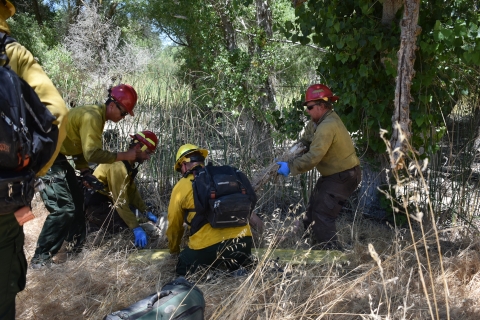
27 136
179 299
223 197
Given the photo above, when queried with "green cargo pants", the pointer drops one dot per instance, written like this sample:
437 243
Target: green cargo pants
63 198
232 254
13 265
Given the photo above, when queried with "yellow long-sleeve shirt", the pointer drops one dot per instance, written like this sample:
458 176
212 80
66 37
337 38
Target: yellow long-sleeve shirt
331 148
182 200
84 136
121 190
26 67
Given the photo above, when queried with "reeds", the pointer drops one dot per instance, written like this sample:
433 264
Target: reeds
412 271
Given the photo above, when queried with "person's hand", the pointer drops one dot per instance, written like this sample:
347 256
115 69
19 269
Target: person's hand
284 170
140 237
131 154
152 217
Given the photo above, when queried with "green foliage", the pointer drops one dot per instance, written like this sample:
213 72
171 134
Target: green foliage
361 63
26 31
288 123
59 66
233 79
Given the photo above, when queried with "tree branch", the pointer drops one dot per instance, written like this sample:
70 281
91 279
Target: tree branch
285 41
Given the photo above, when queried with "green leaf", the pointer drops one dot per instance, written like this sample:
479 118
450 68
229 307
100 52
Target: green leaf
304 40
363 71
329 22
447 33
289 25
336 26
419 121
352 43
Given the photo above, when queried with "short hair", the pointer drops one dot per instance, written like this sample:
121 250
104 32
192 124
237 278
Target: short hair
326 104
196 156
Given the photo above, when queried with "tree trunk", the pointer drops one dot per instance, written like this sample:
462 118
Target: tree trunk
390 8
406 57
267 98
112 9
227 26
36 9
264 17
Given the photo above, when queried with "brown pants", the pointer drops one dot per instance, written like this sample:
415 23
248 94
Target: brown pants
326 201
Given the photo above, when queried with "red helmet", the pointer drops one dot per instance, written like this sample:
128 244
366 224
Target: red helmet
147 138
125 95
319 92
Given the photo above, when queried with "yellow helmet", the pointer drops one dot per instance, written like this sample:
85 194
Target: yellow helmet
9 9
184 151
6 11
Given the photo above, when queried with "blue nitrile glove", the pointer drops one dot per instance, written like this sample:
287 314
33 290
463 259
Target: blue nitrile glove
140 237
284 169
152 217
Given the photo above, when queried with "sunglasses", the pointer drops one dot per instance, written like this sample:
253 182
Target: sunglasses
122 113
311 107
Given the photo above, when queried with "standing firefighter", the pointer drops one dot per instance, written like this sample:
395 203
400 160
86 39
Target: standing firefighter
15 201
63 197
110 208
208 244
331 151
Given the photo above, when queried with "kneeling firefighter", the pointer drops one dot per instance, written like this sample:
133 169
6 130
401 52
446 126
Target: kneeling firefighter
110 207
208 245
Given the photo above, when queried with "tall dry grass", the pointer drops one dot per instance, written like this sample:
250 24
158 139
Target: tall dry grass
387 276
417 271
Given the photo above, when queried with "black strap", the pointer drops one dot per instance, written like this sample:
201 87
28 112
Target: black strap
132 171
5 39
185 215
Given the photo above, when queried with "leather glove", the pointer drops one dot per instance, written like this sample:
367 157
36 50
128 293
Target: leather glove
152 217
140 237
284 170
91 182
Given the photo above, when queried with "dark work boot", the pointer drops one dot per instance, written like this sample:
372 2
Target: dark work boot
40 261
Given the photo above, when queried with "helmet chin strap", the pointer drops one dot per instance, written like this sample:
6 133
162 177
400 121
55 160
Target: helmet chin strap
192 170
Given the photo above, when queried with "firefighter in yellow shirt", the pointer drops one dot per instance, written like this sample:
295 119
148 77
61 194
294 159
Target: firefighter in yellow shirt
13 267
207 246
109 209
332 153
62 196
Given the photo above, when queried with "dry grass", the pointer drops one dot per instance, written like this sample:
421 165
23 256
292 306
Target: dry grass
380 282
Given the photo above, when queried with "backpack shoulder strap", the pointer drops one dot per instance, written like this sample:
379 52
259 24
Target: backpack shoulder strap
209 175
132 171
4 40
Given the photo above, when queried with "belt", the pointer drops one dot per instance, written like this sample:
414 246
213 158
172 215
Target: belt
351 169
345 171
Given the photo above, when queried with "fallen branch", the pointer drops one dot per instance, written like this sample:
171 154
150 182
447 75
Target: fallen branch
261 177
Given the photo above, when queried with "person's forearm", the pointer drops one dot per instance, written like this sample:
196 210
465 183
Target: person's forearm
125 156
133 154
